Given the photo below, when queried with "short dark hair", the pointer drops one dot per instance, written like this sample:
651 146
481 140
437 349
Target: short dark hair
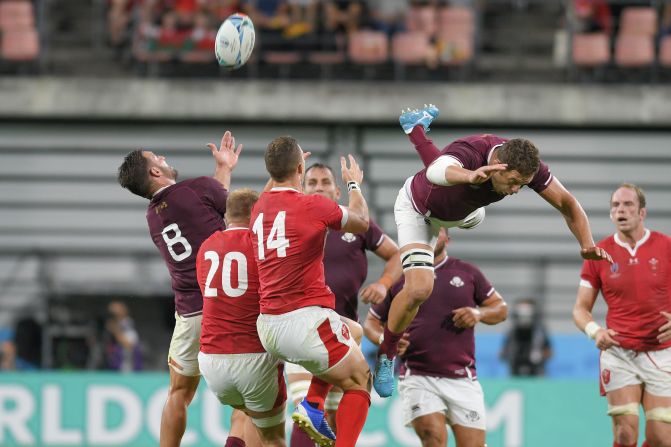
320 166
637 189
282 156
520 155
239 204
134 174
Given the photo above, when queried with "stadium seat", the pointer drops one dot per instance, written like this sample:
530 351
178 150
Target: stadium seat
591 50
282 57
16 14
410 48
368 47
638 21
634 51
665 52
454 47
422 19
461 18
20 45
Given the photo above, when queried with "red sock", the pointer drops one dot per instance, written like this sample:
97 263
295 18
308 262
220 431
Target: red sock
232 441
317 392
389 345
351 416
645 444
299 438
427 151
615 444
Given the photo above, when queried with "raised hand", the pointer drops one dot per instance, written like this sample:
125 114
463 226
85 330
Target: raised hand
604 339
373 293
484 173
226 156
353 173
595 254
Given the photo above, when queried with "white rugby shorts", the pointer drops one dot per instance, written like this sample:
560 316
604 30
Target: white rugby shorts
185 345
415 228
622 367
312 337
254 381
461 400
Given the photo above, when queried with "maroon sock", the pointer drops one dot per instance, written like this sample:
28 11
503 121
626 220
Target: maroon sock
616 444
232 441
389 345
350 417
427 151
317 392
299 438
645 444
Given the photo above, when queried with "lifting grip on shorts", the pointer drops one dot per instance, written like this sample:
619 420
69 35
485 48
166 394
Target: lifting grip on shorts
621 410
417 258
270 421
662 414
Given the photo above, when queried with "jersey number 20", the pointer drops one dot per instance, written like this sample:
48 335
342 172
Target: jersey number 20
226 283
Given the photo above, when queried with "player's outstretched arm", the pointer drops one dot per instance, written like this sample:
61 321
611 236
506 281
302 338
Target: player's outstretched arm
582 316
352 176
388 250
226 158
576 219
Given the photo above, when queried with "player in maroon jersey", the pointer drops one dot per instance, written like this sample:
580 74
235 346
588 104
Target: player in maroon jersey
452 191
297 321
346 268
438 383
232 359
181 215
635 345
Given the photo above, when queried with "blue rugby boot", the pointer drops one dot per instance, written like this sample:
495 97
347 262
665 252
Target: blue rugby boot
312 421
418 117
383 378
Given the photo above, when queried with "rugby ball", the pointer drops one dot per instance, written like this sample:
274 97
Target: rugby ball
235 41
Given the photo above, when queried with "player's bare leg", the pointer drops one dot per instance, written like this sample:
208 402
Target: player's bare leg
270 426
417 262
625 426
658 420
431 429
242 432
173 420
468 436
298 383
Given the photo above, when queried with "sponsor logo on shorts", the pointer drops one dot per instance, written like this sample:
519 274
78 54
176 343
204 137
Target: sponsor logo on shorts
472 415
345 331
348 237
457 282
605 376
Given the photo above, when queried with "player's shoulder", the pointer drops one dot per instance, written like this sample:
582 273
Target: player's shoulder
658 235
607 242
212 242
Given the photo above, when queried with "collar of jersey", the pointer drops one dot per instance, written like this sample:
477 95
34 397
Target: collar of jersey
236 228
442 263
283 188
161 189
641 241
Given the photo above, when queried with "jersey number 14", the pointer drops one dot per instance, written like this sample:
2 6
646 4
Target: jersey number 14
276 239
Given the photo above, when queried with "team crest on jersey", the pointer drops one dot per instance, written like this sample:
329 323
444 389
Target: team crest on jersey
605 376
653 264
348 237
457 282
345 332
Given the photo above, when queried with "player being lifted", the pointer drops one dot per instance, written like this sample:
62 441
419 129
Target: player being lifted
635 346
345 268
297 321
181 215
232 360
452 191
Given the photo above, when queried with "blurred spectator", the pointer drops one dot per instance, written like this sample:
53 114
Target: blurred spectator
121 340
388 15
592 16
271 18
527 345
344 15
24 350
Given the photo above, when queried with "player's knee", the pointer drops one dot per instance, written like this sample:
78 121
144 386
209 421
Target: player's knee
625 432
430 436
418 293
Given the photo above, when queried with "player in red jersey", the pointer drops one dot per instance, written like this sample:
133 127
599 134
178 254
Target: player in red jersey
439 383
345 268
232 359
297 321
452 191
635 345
180 217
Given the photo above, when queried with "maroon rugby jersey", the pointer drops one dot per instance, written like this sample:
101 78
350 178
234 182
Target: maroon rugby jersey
346 265
437 347
180 218
229 281
455 202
